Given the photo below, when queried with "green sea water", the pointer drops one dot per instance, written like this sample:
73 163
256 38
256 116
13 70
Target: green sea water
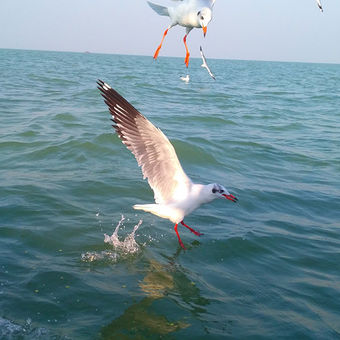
267 267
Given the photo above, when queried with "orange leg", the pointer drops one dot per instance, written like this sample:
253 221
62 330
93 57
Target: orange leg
192 230
179 239
160 45
186 60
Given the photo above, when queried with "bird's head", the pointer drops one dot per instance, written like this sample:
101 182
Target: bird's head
204 16
219 191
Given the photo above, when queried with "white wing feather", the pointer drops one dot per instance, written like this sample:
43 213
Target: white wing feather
151 148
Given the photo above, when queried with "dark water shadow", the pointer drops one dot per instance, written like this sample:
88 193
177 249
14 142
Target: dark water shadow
169 282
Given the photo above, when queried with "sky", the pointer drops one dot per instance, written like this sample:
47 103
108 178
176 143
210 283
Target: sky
280 30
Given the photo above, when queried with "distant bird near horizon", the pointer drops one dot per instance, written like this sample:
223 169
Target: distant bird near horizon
188 13
205 65
186 79
319 5
176 196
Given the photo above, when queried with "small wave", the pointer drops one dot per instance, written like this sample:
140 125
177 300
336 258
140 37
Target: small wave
65 117
46 80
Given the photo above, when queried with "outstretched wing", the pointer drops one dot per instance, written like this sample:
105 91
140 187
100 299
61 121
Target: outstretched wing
205 64
151 148
203 58
161 10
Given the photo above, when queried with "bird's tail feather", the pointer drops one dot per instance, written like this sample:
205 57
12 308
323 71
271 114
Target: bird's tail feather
161 10
155 209
161 210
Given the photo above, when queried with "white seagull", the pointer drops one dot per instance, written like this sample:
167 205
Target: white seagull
205 64
186 79
319 5
189 14
175 194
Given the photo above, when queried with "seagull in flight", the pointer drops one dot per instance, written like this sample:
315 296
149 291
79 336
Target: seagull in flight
319 5
189 14
205 65
175 194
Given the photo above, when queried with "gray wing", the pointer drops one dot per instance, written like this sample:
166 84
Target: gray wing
209 3
151 148
161 10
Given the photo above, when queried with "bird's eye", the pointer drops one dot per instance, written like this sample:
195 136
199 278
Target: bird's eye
214 191
198 13
221 191
202 18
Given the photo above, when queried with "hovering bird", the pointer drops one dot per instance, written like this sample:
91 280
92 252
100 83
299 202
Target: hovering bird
205 65
319 5
186 79
175 194
189 14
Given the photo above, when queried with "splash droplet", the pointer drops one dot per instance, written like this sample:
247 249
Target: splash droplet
129 245
126 247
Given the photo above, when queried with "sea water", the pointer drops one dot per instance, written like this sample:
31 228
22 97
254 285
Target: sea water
266 267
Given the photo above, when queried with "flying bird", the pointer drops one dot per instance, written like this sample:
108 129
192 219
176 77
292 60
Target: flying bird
175 194
189 14
205 65
319 5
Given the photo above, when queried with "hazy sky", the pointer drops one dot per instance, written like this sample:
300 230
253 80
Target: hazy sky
286 30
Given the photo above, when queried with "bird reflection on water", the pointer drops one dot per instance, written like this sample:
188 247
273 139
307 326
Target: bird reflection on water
165 282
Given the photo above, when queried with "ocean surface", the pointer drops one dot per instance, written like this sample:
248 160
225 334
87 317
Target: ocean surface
267 267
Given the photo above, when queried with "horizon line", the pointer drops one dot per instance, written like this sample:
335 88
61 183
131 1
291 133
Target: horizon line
145 55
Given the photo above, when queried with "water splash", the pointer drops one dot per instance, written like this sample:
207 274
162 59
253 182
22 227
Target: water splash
107 255
129 245
121 248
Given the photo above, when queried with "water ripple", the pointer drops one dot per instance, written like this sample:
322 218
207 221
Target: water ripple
269 265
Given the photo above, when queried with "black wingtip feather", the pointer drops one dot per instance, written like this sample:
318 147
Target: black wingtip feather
123 114
113 98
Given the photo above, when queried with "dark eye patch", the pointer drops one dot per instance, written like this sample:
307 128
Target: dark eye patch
214 191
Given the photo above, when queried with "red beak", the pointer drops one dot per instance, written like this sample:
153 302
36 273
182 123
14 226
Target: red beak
204 30
230 197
